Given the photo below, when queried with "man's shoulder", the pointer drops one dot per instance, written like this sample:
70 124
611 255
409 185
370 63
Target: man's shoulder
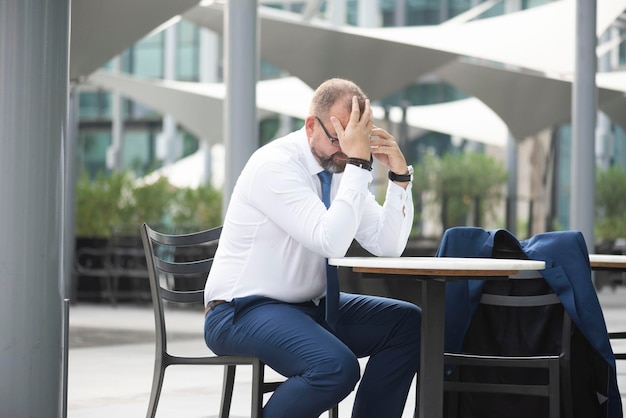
284 150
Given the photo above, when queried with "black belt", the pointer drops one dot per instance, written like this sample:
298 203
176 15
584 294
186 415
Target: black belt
212 304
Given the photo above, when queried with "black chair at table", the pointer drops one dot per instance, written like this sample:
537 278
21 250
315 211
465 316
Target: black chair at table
486 366
161 256
516 350
620 355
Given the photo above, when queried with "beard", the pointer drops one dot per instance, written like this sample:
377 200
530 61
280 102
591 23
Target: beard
334 163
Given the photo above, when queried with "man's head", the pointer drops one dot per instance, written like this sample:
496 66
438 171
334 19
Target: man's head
332 97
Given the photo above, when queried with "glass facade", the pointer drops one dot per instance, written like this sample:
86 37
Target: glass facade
188 52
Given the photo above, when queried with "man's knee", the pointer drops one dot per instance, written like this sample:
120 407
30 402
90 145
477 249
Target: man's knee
339 373
410 325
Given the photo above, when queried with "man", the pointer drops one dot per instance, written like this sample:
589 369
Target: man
265 294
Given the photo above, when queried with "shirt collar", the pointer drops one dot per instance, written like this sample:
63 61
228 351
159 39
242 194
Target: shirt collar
309 160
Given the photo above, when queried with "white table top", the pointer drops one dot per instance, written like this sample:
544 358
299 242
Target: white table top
438 266
616 261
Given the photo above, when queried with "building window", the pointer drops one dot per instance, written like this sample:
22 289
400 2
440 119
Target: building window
188 52
527 4
622 50
94 105
145 58
456 7
422 12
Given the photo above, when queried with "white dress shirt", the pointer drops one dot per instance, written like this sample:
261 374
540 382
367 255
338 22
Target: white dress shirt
277 231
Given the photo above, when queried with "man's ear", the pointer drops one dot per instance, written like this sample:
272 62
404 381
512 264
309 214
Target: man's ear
309 124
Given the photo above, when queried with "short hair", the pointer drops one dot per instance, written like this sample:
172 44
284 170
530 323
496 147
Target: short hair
333 90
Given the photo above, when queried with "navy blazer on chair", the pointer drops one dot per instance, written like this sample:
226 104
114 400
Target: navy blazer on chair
567 272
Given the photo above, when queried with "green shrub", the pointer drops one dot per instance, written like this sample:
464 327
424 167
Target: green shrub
610 204
119 203
462 184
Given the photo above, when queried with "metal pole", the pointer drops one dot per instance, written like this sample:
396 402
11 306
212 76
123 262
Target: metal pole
172 148
241 74
115 151
511 198
584 111
512 152
34 72
68 224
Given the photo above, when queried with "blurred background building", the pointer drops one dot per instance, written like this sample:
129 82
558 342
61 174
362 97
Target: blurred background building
117 133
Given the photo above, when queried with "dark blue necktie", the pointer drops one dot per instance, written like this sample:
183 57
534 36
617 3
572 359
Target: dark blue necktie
332 279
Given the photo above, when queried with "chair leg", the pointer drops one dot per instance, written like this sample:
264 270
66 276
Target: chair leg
566 389
416 412
157 383
333 412
258 372
554 390
227 390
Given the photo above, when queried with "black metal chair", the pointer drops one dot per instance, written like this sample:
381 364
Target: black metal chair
555 364
163 263
620 355
518 343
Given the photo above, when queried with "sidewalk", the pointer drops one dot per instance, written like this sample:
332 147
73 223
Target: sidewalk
111 361
112 353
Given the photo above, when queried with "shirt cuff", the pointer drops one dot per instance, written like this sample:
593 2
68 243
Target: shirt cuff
357 179
398 196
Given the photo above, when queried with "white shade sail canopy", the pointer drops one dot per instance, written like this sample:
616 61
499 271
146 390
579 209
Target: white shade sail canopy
315 51
467 118
616 108
399 56
198 107
102 29
527 102
541 38
383 60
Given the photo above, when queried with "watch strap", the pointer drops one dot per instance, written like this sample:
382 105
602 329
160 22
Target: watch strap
359 162
400 177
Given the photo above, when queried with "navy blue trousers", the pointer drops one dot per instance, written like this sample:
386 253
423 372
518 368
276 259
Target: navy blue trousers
320 364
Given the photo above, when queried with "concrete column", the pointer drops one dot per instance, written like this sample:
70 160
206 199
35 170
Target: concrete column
34 38
604 132
209 56
171 144
512 189
209 65
369 14
114 157
399 13
512 156
584 108
241 74
337 12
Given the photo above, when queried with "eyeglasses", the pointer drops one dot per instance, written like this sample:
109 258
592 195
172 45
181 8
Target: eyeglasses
333 140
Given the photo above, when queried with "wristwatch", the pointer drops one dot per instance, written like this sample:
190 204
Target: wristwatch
402 177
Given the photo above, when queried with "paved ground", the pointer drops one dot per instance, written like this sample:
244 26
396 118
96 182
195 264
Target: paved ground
112 352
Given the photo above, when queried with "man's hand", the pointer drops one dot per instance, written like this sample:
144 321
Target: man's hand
386 150
355 138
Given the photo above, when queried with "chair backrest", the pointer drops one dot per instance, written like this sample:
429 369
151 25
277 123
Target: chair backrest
519 317
171 259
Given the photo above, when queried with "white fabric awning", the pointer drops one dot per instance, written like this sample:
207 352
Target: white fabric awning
541 38
102 29
315 51
527 102
198 107
383 60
